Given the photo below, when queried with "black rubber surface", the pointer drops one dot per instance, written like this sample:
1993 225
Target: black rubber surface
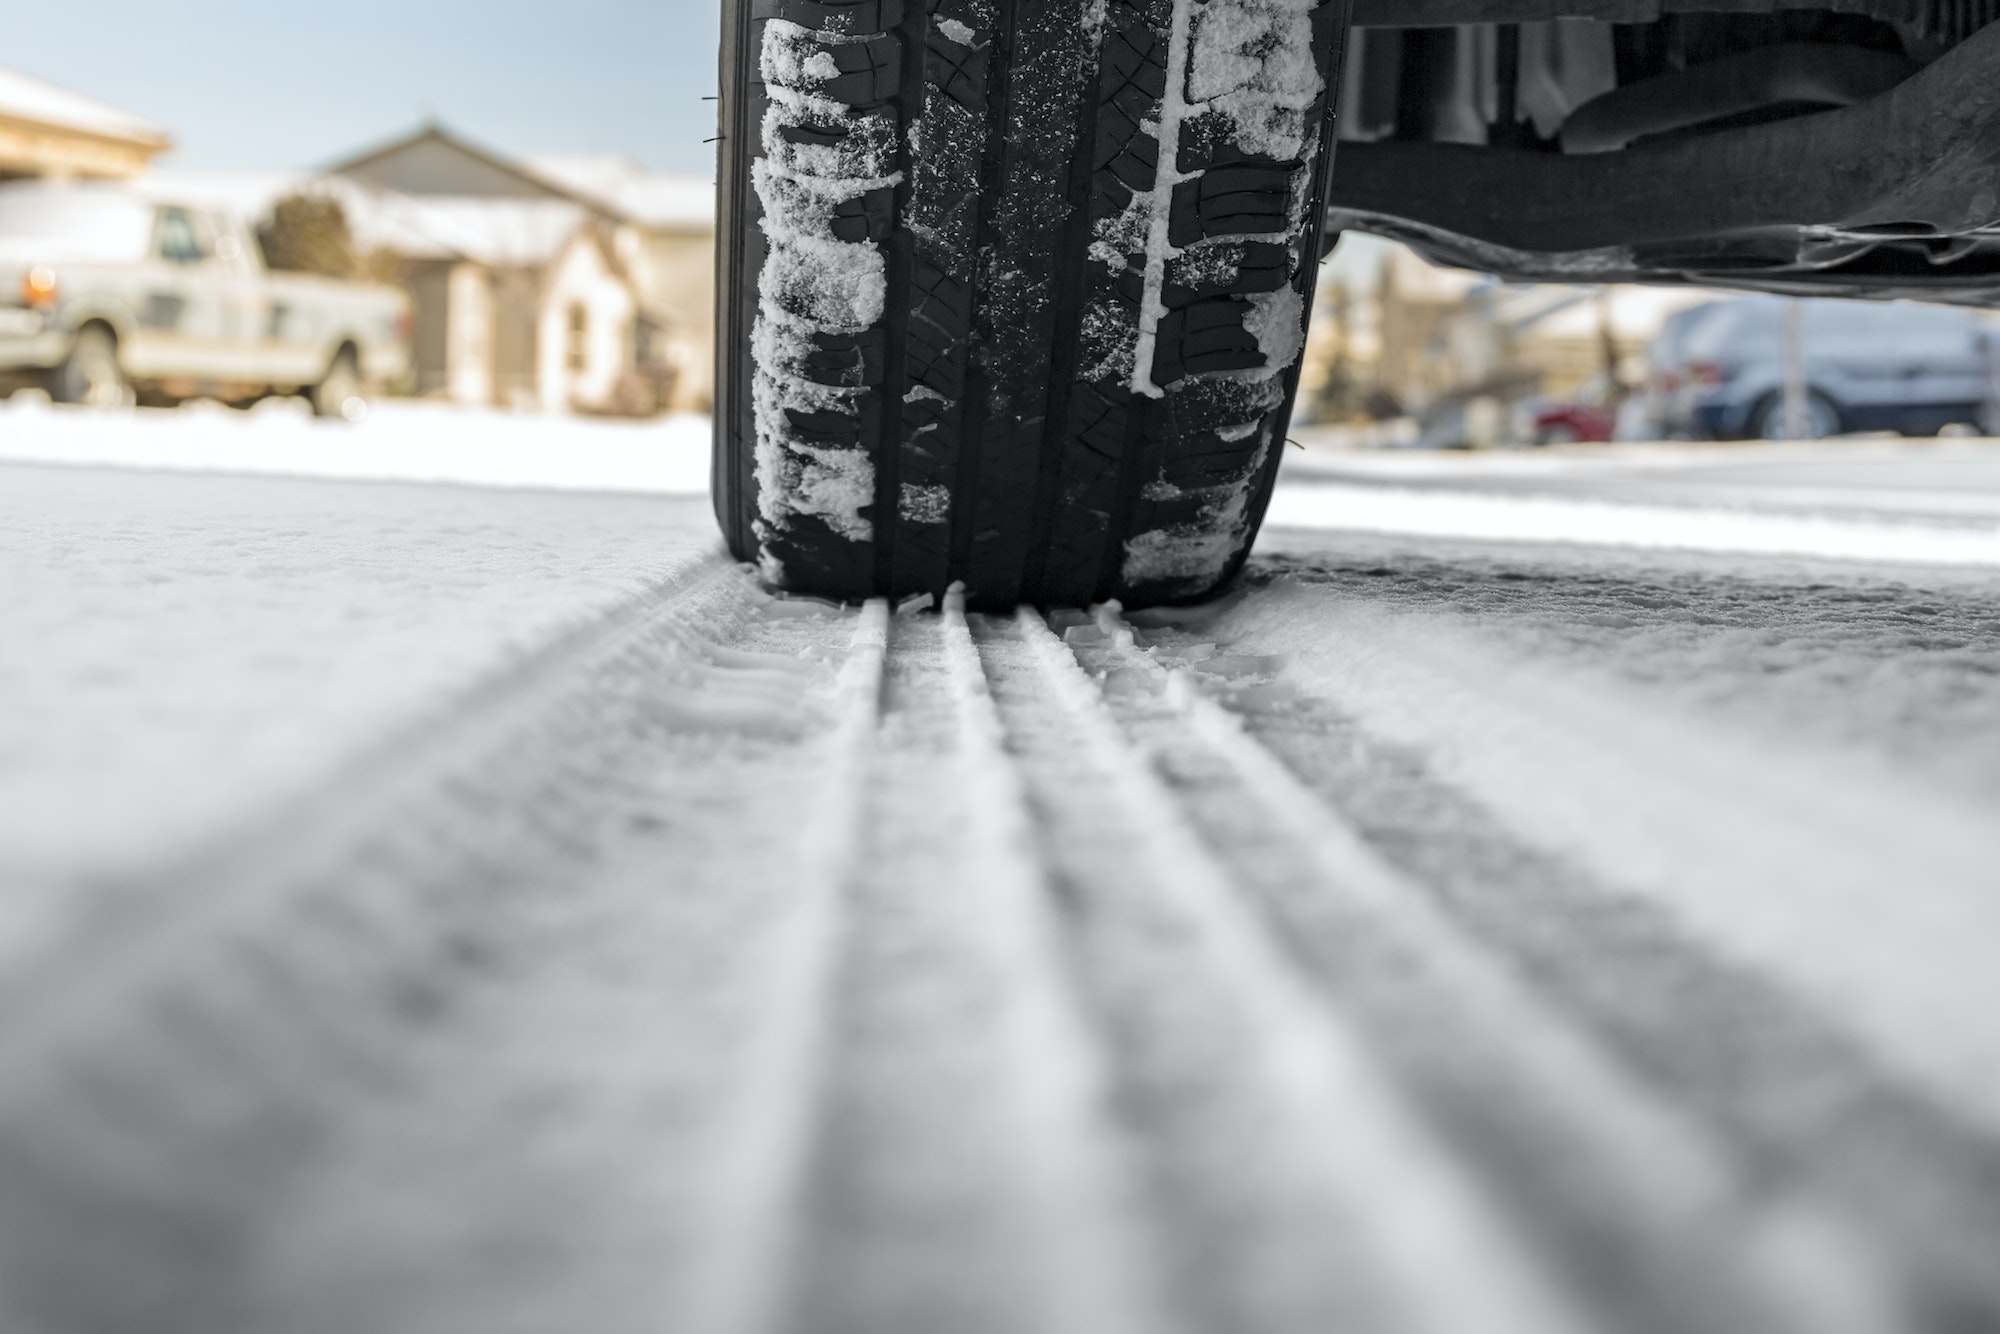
974 328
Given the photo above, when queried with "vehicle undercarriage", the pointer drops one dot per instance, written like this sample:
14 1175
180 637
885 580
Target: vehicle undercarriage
1840 147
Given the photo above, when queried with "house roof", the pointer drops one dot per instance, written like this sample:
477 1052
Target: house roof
650 198
496 232
24 97
434 133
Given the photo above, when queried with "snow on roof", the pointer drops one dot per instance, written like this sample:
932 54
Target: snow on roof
652 198
246 194
492 231
497 232
24 97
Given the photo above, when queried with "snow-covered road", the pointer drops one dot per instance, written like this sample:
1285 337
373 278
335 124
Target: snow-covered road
483 908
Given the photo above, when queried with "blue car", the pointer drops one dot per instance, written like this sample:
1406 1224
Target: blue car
1898 367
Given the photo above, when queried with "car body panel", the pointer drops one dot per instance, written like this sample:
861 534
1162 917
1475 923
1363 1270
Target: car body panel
1884 367
188 299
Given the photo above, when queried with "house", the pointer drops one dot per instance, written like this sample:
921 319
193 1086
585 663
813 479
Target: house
1422 335
673 261
47 131
564 283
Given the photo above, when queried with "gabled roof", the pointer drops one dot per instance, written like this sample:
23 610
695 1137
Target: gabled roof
441 145
499 233
26 98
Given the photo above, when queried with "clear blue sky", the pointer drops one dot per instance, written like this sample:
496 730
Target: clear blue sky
295 83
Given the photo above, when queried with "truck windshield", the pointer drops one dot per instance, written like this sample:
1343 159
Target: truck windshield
75 225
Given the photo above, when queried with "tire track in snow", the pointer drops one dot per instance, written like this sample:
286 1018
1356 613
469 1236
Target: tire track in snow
1796 1098
1833 889
519 1041
1296 1190
1650 1216
965 1177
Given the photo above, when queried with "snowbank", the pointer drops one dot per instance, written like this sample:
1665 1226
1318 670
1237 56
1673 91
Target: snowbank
400 441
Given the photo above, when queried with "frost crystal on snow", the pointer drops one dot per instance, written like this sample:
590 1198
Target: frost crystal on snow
811 457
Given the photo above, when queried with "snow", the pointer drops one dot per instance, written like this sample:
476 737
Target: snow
491 231
957 32
26 98
1252 62
812 283
182 649
1671 868
1294 1067
1277 322
1774 845
1722 506
1154 208
925 504
1249 63
399 441
1604 523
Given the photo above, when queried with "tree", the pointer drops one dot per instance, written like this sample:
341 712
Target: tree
308 233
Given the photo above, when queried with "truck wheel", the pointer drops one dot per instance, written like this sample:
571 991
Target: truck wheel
340 394
91 375
1013 292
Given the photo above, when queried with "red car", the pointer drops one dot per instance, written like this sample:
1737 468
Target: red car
1589 418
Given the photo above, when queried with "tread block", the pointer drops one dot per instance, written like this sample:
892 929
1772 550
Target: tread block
869 217
1248 199
825 429
847 360
1227 267
1205 337
858 72
957 72
854 17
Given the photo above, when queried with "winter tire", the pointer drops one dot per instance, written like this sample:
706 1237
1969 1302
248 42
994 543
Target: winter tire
1013 292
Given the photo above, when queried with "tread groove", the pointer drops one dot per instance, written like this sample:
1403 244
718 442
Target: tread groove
1087 281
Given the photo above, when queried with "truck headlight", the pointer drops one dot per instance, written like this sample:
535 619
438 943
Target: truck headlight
38 287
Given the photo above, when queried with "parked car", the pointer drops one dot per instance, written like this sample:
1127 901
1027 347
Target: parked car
1649 413
1898 367
1014 298
1590 416
109 295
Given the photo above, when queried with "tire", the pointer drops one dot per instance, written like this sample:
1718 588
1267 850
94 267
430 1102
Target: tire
969 330
1822 418
1558 435
341 394
91 375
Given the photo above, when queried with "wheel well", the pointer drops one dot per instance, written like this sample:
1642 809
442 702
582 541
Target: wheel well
99 322
349 349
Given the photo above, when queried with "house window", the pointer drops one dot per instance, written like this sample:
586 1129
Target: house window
579 328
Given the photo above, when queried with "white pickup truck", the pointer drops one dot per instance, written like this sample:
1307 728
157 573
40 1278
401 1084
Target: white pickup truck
111 295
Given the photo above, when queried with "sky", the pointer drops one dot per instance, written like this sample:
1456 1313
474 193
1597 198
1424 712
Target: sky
278 84
254 85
